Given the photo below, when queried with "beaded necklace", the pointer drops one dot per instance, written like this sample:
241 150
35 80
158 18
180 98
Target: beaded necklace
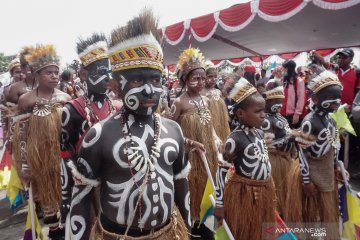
90 112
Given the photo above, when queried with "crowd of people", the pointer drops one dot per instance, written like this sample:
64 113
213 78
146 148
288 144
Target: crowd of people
117 151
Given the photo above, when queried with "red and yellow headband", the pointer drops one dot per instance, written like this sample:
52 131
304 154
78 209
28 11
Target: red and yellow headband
93 53
140 52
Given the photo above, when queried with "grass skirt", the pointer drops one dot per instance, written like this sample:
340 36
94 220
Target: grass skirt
43 157
194 130
219 118
175 230
321 208
247 205
281 163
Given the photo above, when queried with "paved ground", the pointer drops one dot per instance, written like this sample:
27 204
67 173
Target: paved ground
12 226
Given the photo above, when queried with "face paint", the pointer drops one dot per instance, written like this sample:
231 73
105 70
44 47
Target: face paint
141 90
196 80
329 98
98 75
276 108
327 103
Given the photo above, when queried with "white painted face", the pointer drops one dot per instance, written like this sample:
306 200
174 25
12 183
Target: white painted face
276 107
141 90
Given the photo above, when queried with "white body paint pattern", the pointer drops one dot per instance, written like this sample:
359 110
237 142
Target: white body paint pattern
64 178
257 159
78 223
248 153
159 188
93 140
326 139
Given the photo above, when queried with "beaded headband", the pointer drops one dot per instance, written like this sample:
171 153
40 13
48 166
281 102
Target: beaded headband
324 79
135 45
93 53
143 51
242 90
275 93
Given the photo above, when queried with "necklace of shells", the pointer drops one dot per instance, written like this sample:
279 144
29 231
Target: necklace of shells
42 106
203 112
137 161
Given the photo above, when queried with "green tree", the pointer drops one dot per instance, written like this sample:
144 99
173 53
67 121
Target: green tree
4 62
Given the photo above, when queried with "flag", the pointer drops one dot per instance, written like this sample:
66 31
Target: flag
221 234
28 233
4 177
13 190
283 235
342 120
350 213
5 166
206 208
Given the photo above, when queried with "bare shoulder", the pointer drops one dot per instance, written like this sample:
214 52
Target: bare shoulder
27 101
61 97
17 85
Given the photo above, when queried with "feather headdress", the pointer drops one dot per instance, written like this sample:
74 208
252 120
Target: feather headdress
92 49
190 59
209 65
322 80
42 56
25 51
136 45
274 93
242 90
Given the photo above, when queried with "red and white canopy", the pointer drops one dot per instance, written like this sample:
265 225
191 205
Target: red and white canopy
267 27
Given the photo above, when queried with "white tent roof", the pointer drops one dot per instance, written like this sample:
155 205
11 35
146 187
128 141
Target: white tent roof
306 27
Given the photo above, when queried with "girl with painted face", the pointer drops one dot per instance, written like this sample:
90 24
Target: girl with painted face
247 199
315 200
136 155
191 111
282 148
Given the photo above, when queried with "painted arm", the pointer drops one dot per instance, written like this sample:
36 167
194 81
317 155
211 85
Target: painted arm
181 168
304 166
68 139
175 110
85 174
303 143
222 172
